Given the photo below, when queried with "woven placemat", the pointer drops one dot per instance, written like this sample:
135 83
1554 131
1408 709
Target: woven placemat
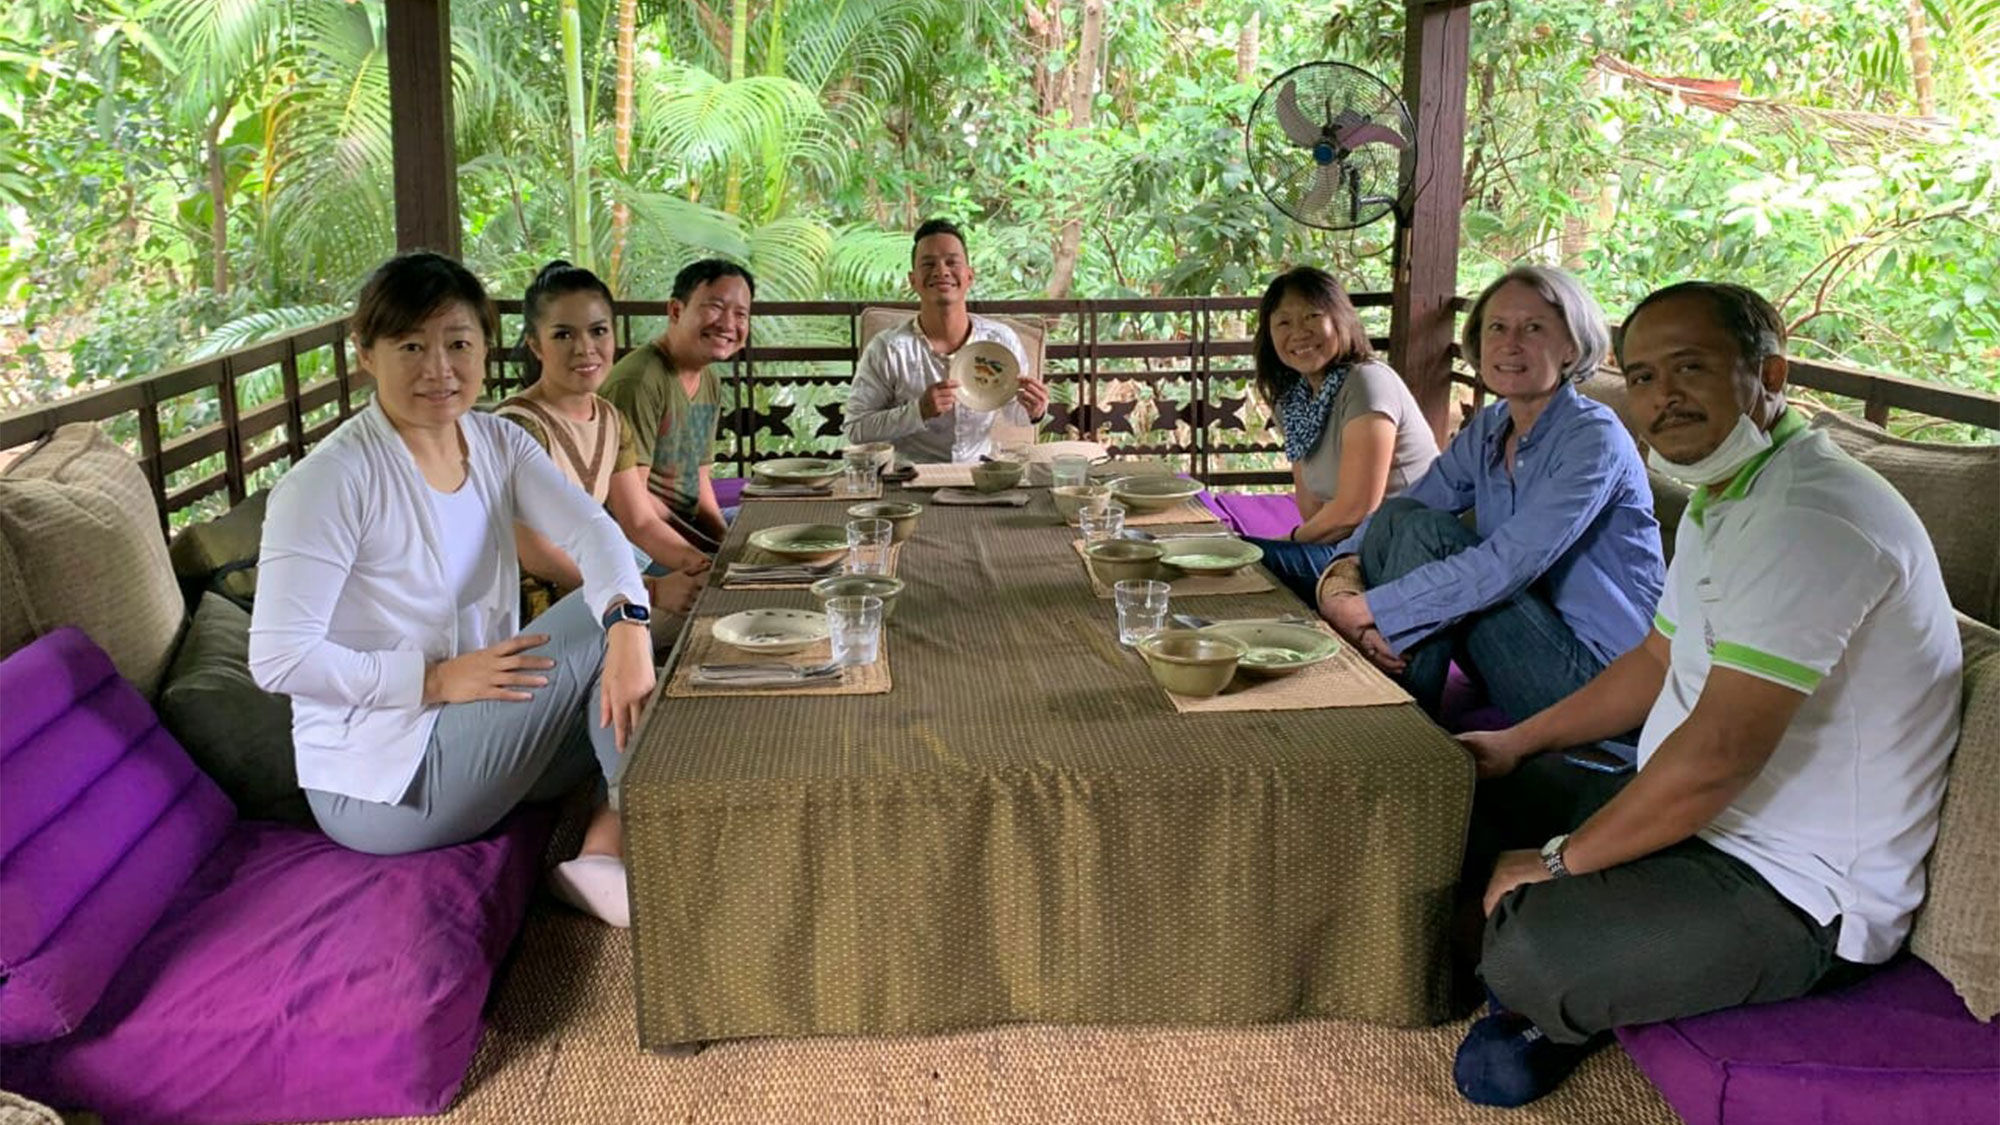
703 648
973 498
941 475
1249 580
1347 680
839 492
1191 510
757 557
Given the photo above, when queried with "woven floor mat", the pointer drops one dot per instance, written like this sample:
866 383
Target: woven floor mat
561 1047
1191 510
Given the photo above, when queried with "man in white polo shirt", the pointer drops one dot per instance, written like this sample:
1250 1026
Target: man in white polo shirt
1799 692
903 391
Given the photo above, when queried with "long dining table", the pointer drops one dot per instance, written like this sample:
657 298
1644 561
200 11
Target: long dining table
1023 828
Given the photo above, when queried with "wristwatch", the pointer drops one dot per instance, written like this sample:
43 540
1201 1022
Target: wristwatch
1552 856
622 610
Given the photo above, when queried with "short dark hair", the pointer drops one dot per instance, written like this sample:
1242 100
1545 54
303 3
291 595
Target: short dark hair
1324 292
936 226
694 275
557 279
1751 321
409 288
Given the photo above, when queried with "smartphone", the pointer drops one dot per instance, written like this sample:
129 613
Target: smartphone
1605 757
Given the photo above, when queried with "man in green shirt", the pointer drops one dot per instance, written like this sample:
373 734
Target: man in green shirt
669 391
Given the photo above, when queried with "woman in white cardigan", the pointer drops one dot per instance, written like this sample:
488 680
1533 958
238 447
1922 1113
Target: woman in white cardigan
388 593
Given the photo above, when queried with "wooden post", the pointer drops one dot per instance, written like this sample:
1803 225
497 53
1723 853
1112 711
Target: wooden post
419 33
1436 41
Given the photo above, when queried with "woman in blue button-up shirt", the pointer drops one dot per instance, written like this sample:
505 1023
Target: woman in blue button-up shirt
1563 571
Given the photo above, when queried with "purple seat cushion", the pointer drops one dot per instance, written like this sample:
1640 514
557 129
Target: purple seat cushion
1897 1046
1269 515
295 980
102 819
728 491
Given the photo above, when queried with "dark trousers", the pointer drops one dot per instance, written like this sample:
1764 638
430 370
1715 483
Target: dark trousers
1297 565
1686 930
1521 650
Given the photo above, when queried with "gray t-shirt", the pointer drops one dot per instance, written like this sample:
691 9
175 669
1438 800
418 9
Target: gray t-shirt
1372 388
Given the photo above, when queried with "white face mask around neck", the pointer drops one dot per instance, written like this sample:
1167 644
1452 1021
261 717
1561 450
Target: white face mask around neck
1743 444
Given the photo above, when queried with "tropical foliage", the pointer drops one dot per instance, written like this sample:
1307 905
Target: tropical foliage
180 176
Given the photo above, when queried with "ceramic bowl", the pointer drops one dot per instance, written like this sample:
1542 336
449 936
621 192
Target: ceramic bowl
1275 648
809 471
802 542
1191 663
987 374
902 516
882 586
1115 560
883 453
1073 498
772 631
1209 555
996 476
1153 493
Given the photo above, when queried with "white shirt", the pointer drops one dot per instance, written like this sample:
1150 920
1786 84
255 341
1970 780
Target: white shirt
461 523
895 370
1811 572
353 599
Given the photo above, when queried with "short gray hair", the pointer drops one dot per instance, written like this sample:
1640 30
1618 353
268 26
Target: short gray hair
1584 321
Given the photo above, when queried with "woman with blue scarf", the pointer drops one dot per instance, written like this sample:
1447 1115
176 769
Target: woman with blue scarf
1352 430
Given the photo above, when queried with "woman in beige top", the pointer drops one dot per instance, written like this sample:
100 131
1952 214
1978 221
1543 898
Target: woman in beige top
1352 430
568 311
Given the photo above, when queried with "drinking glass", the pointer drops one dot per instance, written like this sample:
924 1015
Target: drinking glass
860 472
1142 609
1101 523
868 546
854 623
1069 469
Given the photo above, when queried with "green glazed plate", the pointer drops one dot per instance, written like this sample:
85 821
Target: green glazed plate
798 470
1276 648
807 542
1209 555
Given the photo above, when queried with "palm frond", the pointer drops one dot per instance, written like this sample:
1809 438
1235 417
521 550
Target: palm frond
261 325
867 264
789 257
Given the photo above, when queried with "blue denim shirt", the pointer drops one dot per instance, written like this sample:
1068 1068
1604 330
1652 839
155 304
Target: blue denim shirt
1575 519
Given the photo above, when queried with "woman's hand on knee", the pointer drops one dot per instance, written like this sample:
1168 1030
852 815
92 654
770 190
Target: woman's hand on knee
504 672
626 682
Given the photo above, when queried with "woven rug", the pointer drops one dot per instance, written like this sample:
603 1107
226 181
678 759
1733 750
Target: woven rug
561 1047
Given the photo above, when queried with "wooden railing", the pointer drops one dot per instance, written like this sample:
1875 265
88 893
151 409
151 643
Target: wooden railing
1164 377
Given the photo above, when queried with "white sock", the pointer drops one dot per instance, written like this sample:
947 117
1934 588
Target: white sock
594 884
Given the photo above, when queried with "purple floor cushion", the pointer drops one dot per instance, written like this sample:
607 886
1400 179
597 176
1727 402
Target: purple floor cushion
295 980
1268 515
728 491
1898 1046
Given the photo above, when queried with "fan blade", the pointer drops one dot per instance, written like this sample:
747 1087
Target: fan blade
1326 180
1354 136
1298 129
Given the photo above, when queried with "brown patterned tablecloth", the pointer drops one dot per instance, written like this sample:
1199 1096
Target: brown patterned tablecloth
1020 831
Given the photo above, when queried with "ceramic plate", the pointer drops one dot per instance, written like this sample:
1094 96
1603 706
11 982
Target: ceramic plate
806 542
1152 493
1209 554
987 374
798 470
1276 648
773 631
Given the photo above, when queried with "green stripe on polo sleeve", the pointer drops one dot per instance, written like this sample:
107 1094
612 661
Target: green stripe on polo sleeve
1665 626
1765 666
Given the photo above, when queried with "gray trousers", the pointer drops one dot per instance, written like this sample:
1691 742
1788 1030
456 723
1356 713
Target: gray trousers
485 758
1686 930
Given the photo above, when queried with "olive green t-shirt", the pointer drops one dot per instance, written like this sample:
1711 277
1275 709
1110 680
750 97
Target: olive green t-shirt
676 430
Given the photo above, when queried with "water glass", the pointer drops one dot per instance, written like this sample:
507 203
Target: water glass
868 546
1142 609
1106 522
854 623
1069 469
859 472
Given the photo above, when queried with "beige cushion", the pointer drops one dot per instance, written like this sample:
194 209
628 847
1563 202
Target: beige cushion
1958 929
1952 488
80 544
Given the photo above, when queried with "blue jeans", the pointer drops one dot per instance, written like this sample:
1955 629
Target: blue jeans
1297 565
1520 649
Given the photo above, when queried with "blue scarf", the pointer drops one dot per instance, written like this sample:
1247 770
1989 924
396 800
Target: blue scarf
1302 414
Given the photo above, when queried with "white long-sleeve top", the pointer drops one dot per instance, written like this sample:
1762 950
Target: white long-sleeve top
895 370
352 599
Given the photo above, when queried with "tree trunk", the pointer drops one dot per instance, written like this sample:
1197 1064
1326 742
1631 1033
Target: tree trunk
1045 32
739 64
580 242
621 216
1920 58
1246 48
218 201
1082 92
